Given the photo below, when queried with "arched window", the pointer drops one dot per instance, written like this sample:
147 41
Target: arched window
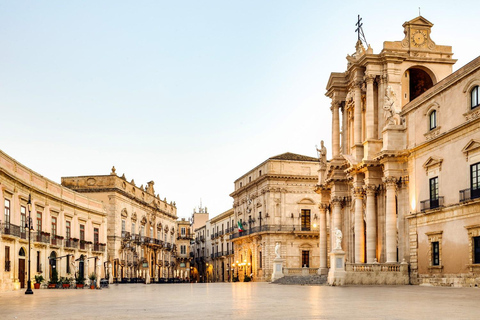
433 120
474 102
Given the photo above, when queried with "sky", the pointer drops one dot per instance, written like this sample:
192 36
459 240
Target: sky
190 94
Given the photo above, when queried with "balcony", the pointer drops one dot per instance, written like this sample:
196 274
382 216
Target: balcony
431 204
56 241
274 228
99 247
42 237
85 245
212 237
220 233
469 194
125 234
71 244
202 238
168 245
9 229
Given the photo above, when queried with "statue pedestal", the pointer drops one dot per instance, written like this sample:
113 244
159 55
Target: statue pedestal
337 274
277 268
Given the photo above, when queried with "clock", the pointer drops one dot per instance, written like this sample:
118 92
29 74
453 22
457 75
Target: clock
419 38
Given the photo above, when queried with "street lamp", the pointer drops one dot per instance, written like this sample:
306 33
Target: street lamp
30 228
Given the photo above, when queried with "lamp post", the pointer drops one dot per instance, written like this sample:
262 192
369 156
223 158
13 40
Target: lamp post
29 226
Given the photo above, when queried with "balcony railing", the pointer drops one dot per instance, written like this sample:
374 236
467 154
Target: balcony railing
431 204
168 245
202 238
99 247
469 194
125 234
11 230
271 228
71 244
55 241
42 237
212 236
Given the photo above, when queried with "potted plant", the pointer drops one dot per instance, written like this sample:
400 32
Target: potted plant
38 281
53 280
65 282
80 282
92 278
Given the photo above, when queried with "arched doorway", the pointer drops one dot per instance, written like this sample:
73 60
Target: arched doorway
416 81
52 259
21 267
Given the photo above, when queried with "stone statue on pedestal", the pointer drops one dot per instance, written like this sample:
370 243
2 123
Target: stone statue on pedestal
277 250
338 239
322 154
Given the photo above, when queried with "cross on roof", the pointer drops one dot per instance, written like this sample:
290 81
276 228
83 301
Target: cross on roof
359 31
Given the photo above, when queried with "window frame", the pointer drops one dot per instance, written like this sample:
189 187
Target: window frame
474 94
432 117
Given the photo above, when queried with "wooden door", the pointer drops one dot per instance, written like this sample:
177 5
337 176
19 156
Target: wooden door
21 272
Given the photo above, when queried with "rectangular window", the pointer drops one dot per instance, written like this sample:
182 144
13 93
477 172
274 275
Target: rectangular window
476 249
39 221
433 119
434 193
183 231
142 231
68 230
151 232
305 220
435 253
23 217
260 257
96 236
54 227
133 227
82 232
474 180
7 212
123 225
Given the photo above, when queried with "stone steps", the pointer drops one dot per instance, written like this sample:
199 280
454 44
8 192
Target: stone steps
303 280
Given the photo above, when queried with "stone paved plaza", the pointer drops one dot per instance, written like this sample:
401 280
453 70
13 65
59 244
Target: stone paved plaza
243 301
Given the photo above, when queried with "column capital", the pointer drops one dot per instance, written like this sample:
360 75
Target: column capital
390 181
337 201
335 104
358 192
370 189
369 78
357 85
324 206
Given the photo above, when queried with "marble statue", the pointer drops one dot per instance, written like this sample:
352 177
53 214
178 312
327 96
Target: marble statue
277 250
338 239
322 154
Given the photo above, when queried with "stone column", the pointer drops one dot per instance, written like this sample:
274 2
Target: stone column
335 129
370 112
391 219
359 226
358 114
381 101
323 238
371 220
344 131
336 217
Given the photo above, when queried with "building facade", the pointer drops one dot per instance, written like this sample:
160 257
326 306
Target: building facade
395 125
68 229
221 247
184 255
275 203
141 227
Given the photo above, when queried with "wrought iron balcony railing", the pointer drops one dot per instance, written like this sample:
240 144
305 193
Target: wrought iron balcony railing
431 204
11 229
469 194
271 228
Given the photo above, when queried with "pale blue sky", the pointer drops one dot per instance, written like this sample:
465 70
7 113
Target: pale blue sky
190 94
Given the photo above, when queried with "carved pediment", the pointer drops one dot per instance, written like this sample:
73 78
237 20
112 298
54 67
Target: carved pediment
433 162
134 216
472 147
159 226
144 220
124 213
306 201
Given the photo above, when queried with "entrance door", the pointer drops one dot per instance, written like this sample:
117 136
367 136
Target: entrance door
21 272
306 258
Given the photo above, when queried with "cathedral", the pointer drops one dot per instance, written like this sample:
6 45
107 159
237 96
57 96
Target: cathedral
399 199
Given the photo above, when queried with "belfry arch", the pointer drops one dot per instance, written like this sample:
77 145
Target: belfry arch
415 81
